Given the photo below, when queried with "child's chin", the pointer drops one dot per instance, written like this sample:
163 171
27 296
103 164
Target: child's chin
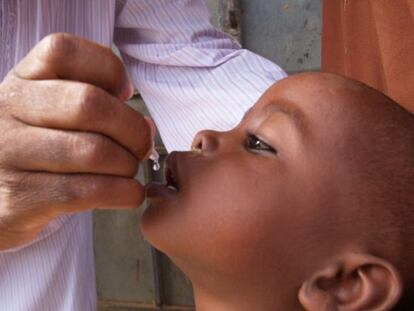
157 225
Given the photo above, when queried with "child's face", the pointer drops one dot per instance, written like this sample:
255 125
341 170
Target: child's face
263 194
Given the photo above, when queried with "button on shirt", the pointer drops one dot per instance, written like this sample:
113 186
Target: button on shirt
191 77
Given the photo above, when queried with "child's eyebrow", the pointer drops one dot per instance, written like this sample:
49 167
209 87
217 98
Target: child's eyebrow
293 113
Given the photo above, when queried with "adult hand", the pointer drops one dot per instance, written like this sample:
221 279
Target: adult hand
68 142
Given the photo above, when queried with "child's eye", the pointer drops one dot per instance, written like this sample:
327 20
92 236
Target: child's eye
255 144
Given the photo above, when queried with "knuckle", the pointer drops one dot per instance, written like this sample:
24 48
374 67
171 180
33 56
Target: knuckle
6 153
63 193
99 149
87 102
59 193
9 96
93 150
9 146
15 192
58 46
24 194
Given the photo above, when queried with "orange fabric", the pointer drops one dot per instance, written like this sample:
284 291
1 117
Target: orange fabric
372 41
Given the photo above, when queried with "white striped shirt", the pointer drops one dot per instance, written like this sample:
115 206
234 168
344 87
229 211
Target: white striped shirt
191 77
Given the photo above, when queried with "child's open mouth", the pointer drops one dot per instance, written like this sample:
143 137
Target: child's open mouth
170 178
171 185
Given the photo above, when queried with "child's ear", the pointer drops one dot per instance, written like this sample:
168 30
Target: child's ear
354 282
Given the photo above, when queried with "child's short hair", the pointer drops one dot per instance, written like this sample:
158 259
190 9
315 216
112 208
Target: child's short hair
386 183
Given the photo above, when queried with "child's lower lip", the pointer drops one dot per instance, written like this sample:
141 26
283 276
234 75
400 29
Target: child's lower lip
156 190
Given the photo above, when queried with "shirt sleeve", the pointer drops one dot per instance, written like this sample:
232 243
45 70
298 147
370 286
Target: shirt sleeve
190 75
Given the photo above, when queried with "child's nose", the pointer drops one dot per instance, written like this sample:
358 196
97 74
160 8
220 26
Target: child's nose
205 141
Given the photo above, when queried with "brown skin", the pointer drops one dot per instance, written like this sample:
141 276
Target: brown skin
68 141
263 218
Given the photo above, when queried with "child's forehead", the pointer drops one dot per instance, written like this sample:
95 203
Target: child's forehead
318 95
300 102
314 87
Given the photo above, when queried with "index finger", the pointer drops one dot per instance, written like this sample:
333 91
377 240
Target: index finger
67 105
64 56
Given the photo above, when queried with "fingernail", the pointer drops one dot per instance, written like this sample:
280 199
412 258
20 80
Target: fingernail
128 91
